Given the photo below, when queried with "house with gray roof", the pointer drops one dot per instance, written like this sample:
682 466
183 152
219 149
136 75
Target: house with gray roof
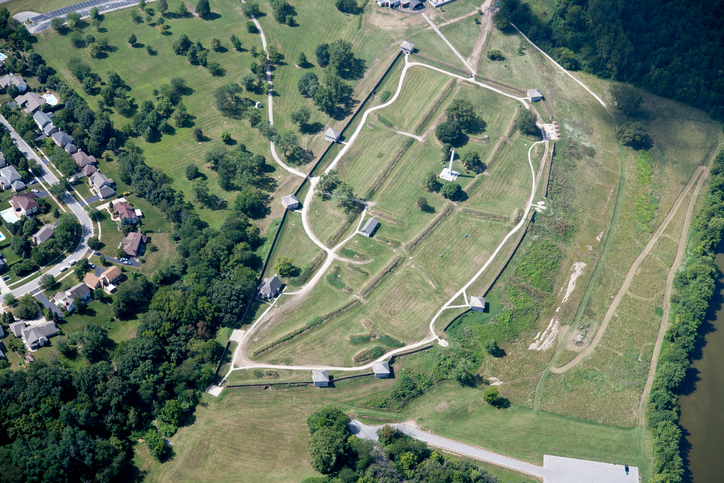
102 185
43 235
66 300
320 378
41 119
370 227
269 287
82 159
407 47
381 369
17 329
10 178
290 202
35 336
534 95
3 163
61 139
49 130
31 101
477 304
15 80
70 148
332 135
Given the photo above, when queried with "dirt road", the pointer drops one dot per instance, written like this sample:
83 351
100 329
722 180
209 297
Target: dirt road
631 274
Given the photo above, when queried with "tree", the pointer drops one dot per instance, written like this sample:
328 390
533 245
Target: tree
250 202
94 340
634 135
301 60
327 449
251 27
59 189
308 84
81 268
132 40
451 191
155 443
229 102
463 112
94 243
198 134
93 13
162 6
215 69
347 6
27 308
142 4
495 54
9 299
341 58
526 123
58 24
191 172
322 55
430 182
200 188
192 55
471 160
282 10
301 116
422 204
47 281
627 99
450 132
287 140
215 45
94 50
182 43
203 9
182 11
284 266
492 348
492 396
78 68
73 19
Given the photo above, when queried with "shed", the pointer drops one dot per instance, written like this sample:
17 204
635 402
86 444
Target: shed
370 227
477 304
320 378
290 202
332 135
534 95
407 47
382 369
269 287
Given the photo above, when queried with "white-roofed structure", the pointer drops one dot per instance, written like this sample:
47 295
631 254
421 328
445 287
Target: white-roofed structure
320 378
381 369
407 47
370 227
477 304
332 135
534 95
290 202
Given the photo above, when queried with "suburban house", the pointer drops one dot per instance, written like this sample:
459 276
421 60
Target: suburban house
61 139
370 227
10 178
389 3
332 135
67 299
407 47
91 281
477 304
15 80
43 235
134 244
88 170
25 204
83 160
34 336
320 378
125 212
290 202
534 95
31 101
412 4
102 185
381 369
3 163
109 278
42 120
269 287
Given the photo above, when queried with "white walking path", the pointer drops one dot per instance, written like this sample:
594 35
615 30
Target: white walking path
437 30
555 469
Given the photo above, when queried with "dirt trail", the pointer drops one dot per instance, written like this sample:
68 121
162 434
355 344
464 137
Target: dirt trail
631 274
487 24
667 297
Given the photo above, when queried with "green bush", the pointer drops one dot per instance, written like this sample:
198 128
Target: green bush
384 96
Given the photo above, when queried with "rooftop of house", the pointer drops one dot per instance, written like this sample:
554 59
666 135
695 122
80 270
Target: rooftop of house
270 285
44 234
25 201
132 242
99 179
289 200
91 280
62 138
112 273
124 210
320 376
370 226
10 173
381 367
42 119
82 159
407 46
333 134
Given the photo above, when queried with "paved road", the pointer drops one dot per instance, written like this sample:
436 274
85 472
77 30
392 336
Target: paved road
46 177
555 469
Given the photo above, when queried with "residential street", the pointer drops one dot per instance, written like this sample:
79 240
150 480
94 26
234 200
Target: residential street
555 469
46 178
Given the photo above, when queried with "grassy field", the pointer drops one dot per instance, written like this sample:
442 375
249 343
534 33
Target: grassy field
293 243
516 70
463 34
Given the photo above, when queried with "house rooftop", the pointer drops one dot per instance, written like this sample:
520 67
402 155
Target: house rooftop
92 281
112 273
407 46
381 368
44 234
370 226
132 242
332 135
82 159
25 201
320 376
270 285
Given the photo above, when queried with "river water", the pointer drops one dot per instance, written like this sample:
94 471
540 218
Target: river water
702 399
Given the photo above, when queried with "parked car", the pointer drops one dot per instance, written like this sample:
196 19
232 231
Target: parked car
99 254
31 182
92 265
35 190
63 268
73 262
127 262
6 278
123 260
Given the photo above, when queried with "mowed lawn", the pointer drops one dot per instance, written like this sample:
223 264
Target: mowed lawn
517 70
143 73
293 243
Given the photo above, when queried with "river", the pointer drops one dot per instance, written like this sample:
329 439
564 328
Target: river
702 399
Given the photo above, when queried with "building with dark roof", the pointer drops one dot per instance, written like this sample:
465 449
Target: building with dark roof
25 204
134 244
82 159
43 235
125 212
67 299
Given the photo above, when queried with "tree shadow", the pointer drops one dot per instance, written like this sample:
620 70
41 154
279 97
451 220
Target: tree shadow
428 209
355 71
211 16
138 45
312 128
222 50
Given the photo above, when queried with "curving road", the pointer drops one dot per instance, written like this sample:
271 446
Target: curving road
46 177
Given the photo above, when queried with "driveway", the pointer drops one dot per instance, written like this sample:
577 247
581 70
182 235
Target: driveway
555 469
92 199
46 303
134 262
47 177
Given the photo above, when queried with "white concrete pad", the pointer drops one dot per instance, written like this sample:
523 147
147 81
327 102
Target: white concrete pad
236 335
214 390
448 175
569 470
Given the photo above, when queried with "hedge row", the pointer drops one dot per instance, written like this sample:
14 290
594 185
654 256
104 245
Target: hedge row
694 286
